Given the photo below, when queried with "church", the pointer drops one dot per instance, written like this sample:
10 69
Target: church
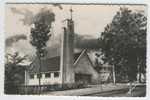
51 72
67 68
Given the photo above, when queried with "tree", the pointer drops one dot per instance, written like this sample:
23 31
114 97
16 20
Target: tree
98 64
40 35
14 73
123 43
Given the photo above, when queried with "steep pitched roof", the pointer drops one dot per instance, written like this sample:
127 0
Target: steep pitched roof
48 64
83 65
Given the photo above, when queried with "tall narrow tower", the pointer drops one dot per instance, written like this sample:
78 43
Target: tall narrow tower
67 69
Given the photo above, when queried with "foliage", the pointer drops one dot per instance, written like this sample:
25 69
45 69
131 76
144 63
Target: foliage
14 73
40 33
123 42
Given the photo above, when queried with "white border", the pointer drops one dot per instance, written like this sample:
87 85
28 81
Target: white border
25 97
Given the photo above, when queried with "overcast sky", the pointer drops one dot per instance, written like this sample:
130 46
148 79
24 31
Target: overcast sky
89 19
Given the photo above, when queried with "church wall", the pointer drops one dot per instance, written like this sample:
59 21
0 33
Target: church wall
44 81
84 67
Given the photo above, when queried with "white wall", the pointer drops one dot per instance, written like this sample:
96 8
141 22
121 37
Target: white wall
44 80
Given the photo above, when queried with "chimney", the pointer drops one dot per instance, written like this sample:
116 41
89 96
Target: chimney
67 51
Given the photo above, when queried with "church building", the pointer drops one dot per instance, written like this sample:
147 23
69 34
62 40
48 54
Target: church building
67 68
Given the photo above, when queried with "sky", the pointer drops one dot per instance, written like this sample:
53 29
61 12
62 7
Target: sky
89 20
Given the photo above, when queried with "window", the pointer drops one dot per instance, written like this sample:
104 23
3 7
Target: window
47 75
31 76
56 74
39 75
104 68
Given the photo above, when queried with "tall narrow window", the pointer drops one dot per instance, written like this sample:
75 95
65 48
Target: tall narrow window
39 75
56 74
31 76
47 75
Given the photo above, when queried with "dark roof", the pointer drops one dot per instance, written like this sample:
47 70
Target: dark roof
48 64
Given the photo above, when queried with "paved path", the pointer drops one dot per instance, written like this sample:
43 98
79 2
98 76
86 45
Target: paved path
86 91
139 91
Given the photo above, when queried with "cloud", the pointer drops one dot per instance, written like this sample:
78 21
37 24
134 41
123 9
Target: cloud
80 42
22 45
29 17
13 39
58 5
86 42
14 10
45 15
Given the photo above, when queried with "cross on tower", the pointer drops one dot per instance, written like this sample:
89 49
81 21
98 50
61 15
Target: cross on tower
71 12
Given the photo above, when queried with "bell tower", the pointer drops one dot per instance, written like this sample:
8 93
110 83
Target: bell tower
67 51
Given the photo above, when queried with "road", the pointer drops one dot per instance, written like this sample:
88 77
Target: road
91 89
105 90
139 91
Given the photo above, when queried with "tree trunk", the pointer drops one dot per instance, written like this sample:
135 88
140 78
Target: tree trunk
39 75
114 76
140 77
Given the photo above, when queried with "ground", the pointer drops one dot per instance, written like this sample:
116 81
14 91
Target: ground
106 90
